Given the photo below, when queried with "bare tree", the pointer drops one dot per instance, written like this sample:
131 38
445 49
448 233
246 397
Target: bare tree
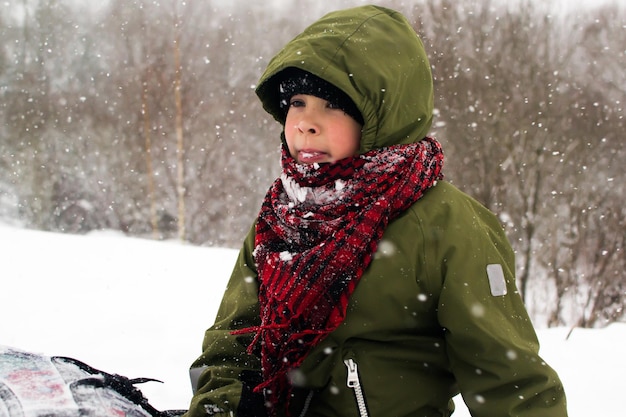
514 119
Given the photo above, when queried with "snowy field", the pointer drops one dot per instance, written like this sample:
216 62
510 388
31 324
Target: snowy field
139 308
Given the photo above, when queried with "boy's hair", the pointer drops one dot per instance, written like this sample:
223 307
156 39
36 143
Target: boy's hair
296 81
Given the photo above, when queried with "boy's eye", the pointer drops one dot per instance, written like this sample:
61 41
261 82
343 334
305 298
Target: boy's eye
295 102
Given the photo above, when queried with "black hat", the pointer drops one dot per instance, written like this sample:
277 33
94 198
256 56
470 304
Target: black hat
296 81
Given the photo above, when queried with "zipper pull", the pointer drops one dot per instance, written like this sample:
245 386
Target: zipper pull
354 383
353 373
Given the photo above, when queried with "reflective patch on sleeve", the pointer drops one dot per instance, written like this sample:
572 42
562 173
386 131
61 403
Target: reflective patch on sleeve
497 283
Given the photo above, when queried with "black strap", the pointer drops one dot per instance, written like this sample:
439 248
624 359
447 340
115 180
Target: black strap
120 384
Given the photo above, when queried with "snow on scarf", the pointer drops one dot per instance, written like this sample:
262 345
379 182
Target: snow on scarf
317 231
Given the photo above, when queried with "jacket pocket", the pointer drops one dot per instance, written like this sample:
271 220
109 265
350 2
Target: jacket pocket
354 383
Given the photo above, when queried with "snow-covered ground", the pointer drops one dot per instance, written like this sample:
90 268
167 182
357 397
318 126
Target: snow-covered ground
139 308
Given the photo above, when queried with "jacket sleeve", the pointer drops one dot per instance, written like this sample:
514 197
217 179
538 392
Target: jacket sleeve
225 374
492 345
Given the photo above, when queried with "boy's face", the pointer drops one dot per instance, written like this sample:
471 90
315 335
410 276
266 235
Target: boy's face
318 132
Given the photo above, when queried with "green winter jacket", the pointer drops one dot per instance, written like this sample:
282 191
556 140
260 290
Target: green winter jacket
437 311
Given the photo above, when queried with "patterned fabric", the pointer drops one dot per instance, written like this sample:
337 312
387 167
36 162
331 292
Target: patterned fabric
317 232
34 385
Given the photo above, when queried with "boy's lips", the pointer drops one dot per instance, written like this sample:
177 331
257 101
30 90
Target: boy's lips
311 156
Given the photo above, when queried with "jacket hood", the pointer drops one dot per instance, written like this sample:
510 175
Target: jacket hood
373 55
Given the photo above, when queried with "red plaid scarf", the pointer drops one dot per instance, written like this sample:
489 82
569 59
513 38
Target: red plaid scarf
317 231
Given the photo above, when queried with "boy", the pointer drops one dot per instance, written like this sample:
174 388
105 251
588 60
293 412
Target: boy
368 286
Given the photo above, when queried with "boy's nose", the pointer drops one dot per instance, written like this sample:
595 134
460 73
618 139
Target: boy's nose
306 125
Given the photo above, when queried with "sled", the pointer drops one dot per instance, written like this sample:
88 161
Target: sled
33 385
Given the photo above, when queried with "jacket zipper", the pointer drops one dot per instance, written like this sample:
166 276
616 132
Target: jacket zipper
355 384
307 404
